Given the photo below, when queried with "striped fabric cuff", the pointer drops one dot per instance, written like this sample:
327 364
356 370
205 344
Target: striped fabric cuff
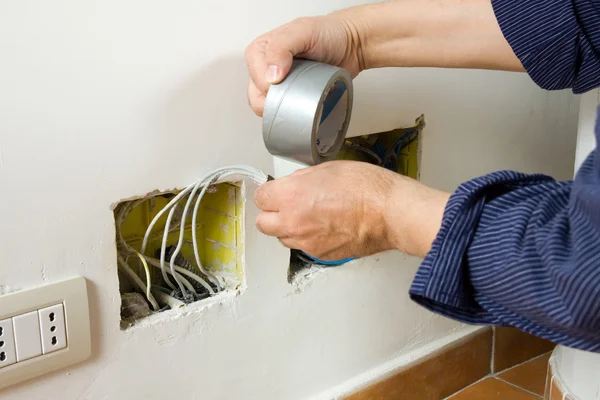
442 283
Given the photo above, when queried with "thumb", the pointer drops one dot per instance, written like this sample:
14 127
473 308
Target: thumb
279 61
290 41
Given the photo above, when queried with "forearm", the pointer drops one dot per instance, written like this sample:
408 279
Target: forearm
430 33
413 215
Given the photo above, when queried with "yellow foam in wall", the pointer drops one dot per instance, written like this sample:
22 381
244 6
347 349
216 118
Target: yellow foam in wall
219 230
408 163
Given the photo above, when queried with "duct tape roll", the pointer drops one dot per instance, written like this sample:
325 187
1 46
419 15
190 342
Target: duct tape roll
306 116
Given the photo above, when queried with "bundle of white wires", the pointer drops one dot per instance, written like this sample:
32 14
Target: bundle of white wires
224 174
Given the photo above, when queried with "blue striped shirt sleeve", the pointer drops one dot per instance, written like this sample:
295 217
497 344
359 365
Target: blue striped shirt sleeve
557 41
524 250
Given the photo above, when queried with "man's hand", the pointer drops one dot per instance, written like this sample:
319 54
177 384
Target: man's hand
346 209
332 39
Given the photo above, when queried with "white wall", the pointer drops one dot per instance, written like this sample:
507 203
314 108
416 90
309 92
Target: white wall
104 100
578 371
586 140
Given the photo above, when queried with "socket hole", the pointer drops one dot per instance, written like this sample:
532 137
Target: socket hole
2 356
51 316
219 234
1 330
1 343
54 340
52 328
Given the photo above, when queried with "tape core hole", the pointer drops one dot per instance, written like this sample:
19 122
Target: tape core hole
332 116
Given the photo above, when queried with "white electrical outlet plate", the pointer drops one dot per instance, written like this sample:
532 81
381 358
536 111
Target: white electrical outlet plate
8 356
71 295
52 327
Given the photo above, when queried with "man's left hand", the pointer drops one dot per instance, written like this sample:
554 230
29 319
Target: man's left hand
343 209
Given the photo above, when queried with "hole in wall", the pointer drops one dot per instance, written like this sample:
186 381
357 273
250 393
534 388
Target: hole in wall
180 281
397 150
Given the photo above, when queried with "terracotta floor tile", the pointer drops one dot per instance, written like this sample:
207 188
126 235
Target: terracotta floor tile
512 347
493 389
530 376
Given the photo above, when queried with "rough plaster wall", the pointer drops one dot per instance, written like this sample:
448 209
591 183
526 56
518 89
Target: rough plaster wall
105 100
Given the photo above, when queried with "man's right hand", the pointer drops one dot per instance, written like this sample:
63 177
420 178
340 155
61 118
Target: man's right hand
333 39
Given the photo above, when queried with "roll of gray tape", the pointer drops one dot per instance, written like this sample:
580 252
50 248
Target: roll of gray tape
306 116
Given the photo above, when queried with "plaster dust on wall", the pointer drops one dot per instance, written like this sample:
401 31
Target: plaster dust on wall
303 278
104 100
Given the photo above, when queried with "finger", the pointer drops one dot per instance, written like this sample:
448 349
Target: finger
256 99
286 42
257 63
302 171
270 224
265 197
290 243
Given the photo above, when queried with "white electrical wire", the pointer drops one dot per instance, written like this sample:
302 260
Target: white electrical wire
146 270
208 180
180 270
136 279
197 206
194 239
258 176
164 298
212 177
125 265
186 283
123 212
152 261
162 254
181 235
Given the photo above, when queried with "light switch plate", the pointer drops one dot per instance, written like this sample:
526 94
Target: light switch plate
26 328
72 294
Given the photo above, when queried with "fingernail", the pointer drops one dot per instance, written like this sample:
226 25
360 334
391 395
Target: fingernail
272 73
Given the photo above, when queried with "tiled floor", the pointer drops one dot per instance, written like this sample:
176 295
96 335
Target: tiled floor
512 347
524 382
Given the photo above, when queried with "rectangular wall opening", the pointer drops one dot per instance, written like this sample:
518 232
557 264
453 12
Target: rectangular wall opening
396 150
182 282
